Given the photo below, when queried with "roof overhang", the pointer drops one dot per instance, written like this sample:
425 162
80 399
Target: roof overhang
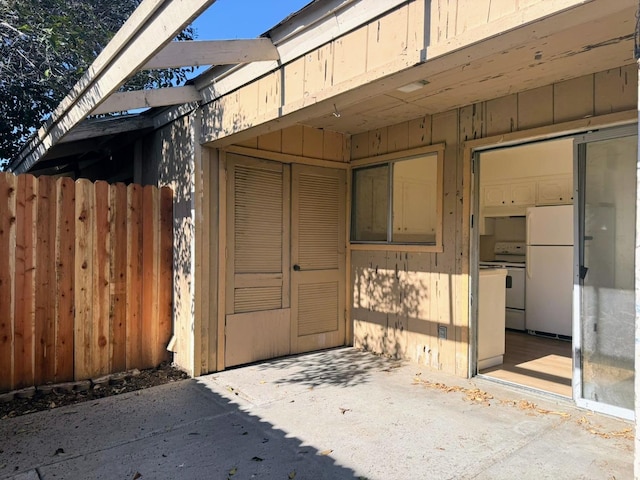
144 42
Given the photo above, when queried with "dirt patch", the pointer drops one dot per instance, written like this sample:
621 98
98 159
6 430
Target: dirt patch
57 397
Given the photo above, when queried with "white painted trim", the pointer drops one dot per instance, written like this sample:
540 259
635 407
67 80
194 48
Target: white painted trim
212 52
160 97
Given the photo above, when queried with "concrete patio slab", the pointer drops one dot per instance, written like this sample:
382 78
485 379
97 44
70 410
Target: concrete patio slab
332 415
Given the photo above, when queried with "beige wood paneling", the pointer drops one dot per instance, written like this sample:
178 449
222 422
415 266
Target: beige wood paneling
349 60
387 38
292 140
304 141
294 86
312 142
318 69
535 107
271 142
257 336
502 115
360 145
573 99
615 90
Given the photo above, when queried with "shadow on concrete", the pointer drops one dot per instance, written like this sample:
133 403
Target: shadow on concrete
338 367
180 430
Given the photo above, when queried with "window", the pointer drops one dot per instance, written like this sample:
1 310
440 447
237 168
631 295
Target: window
398 202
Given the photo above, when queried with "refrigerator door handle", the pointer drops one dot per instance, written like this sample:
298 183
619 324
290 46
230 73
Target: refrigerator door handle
528 257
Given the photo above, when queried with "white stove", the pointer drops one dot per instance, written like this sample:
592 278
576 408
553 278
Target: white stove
512 256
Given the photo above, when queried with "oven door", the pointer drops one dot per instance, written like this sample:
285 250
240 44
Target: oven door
515 288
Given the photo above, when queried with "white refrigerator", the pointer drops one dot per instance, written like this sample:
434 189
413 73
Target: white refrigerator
549 266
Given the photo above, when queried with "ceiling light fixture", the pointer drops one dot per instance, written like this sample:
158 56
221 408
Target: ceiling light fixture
413 86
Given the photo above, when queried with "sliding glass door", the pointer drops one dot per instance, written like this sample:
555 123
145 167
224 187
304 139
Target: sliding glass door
604 298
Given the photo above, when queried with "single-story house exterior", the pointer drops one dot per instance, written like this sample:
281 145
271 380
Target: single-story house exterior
346 192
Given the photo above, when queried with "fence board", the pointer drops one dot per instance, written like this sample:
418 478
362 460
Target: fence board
134 276
83 289
8 185
150 247
86 278
118 292
101 276
65 269
24 319
165 285
44 367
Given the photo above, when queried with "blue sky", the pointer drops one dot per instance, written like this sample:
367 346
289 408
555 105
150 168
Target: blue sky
232 19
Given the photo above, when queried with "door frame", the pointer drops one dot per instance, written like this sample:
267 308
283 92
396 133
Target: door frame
578 184
219 258
471 150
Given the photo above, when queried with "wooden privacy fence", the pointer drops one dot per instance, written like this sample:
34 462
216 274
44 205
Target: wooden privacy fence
85 278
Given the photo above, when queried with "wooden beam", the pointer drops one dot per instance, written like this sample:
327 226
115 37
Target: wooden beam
161 97
152 25
212 52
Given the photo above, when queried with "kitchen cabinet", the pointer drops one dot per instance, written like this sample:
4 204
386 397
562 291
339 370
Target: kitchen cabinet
491 316
513 198
555 190
509 194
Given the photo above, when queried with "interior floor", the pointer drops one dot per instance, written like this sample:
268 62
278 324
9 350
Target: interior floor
536 362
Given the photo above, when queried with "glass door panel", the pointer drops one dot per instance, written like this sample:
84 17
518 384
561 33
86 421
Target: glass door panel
607 179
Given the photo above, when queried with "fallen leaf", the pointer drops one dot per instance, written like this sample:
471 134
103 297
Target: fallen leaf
137 475
257 459
233 471
344 410
326 452
59 451
292 475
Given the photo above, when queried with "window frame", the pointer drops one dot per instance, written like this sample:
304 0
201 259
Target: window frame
388 159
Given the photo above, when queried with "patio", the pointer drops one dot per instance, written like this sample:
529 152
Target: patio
333 414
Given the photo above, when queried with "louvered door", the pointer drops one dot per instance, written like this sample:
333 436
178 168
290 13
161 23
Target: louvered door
318 258
258 322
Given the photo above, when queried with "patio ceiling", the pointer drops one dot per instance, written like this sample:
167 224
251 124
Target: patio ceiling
557 48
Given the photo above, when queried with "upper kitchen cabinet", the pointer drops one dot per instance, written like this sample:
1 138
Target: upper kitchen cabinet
512 179
555 190
509 194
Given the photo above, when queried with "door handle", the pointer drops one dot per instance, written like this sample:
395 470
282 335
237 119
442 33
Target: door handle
296 267
509 281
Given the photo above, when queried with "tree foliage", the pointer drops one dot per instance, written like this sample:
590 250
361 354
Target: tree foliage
45 47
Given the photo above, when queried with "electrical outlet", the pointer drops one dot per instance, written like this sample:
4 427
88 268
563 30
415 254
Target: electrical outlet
442 332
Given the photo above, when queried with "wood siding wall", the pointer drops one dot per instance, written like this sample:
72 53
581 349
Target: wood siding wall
401 298
451 19
85 278
304 141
